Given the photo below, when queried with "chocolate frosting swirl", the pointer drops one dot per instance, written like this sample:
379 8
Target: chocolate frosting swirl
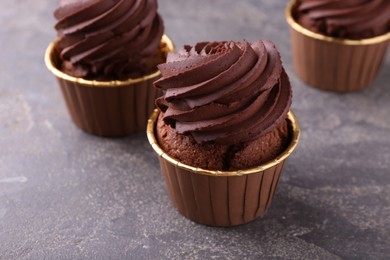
113 39
350 19
226 92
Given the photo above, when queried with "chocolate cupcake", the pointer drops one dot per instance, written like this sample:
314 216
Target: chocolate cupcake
105 59
224 130
339 45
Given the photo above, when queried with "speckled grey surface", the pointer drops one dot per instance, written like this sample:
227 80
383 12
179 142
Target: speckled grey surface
68 195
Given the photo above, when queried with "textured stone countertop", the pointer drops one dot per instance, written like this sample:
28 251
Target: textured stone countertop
65 194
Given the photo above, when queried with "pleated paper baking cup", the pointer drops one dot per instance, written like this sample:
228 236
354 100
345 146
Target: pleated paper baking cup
107 108
334 64
221 198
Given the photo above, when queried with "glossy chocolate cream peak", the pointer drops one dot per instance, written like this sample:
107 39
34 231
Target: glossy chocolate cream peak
109 39
226 92
349 19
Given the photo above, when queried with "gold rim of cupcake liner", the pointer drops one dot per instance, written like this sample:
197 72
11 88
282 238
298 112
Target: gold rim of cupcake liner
301 29
96 83
291 147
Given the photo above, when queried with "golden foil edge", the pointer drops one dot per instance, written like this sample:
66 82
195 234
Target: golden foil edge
96 83
299 28
296 132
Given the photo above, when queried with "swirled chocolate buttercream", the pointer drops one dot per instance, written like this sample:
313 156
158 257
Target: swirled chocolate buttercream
224 92
109 39
350 19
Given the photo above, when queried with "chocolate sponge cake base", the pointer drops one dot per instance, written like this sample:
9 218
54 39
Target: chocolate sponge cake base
213 156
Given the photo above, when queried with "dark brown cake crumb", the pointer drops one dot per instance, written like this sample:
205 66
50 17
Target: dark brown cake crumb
186 150
214 156
261 150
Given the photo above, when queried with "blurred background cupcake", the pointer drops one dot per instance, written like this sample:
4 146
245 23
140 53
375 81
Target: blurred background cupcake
339 45
105 59
224 131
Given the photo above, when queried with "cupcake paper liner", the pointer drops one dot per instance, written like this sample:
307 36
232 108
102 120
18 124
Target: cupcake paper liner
333 64
221 198
107 108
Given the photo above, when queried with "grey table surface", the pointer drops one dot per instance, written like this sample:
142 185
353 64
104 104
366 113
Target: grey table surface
65 194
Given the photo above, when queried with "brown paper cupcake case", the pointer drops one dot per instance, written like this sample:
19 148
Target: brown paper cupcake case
221 198
107 108
333 64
